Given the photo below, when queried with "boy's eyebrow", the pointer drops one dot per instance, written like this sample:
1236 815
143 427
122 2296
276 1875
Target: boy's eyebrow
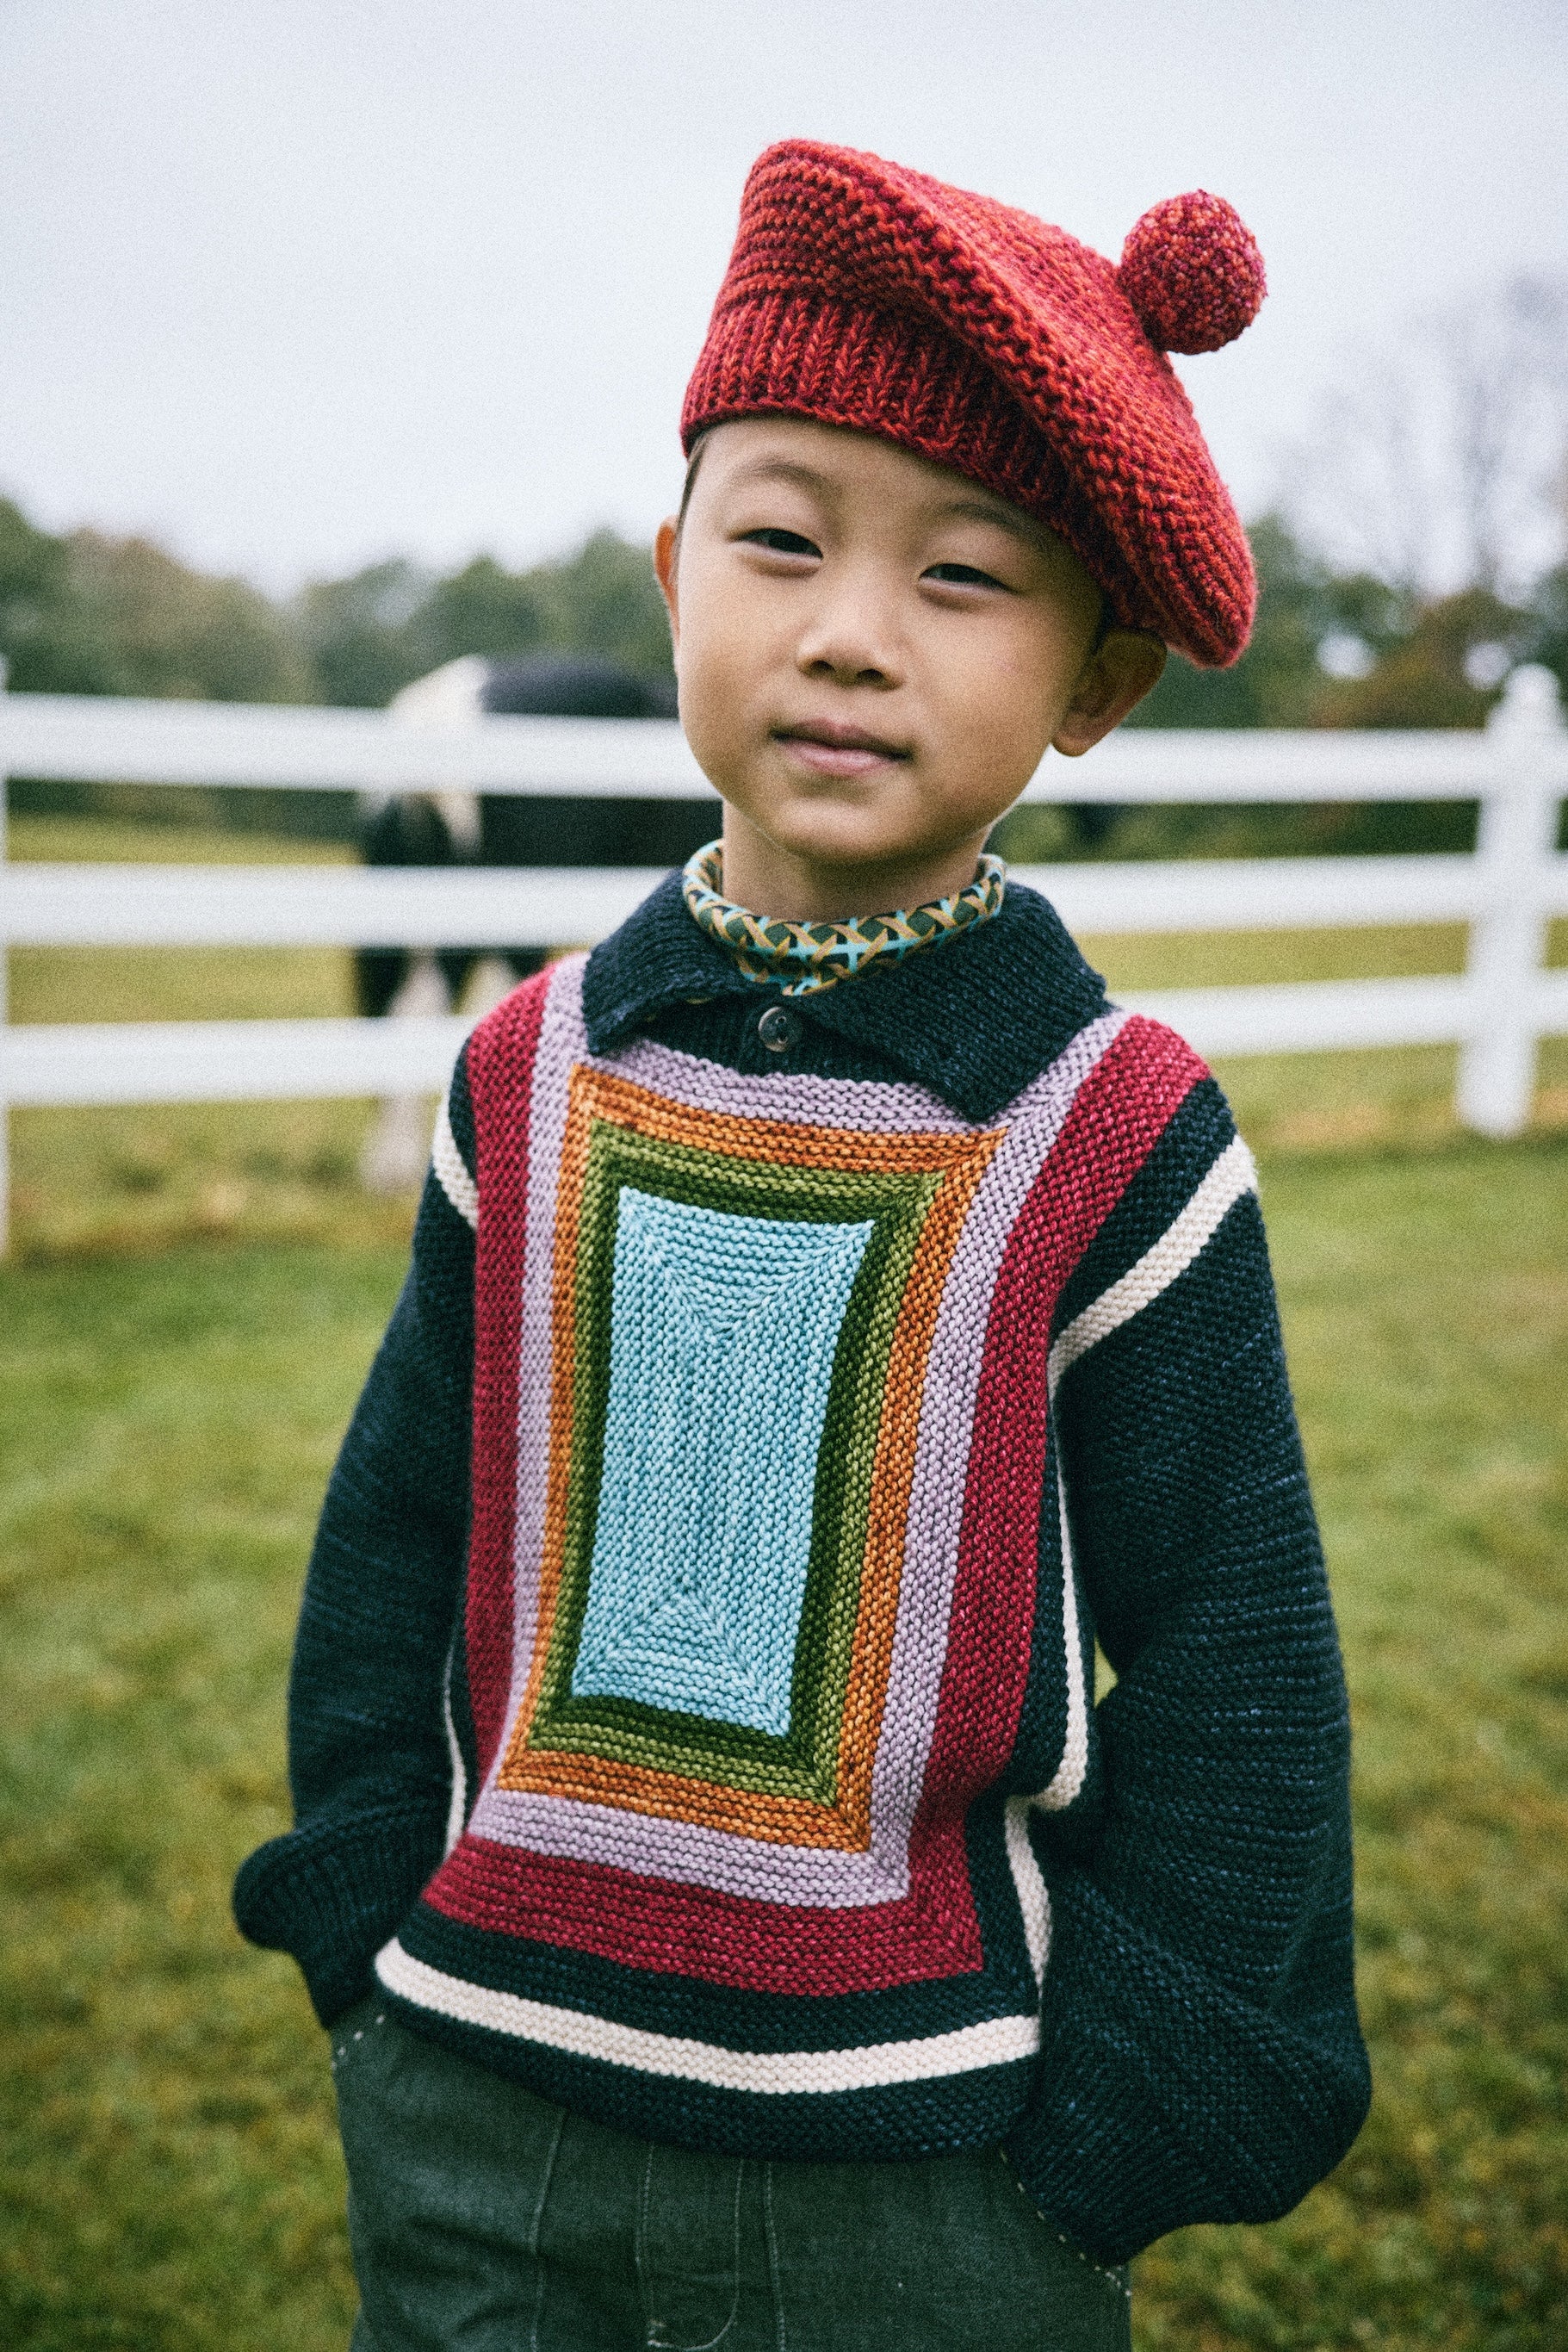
1017 526
783 469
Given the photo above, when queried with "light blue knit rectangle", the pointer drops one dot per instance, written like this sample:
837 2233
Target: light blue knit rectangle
724 1329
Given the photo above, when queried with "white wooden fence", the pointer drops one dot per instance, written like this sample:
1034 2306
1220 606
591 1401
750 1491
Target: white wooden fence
1496 1012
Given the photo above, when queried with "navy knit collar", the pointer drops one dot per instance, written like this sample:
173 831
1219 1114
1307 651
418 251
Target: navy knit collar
973 1025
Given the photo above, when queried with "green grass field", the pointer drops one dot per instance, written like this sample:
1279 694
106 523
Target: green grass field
195 1300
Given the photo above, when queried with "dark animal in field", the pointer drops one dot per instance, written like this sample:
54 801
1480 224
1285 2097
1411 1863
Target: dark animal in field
464 829
460 829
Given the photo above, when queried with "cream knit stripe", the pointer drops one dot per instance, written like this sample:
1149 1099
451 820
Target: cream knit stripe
456 1811
1034 1899
451 1172
998 2042
1232 1174
1068 1778
1029 1883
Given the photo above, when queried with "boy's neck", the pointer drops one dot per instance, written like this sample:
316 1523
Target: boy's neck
786 887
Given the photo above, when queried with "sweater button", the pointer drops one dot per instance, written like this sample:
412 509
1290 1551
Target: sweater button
779 1028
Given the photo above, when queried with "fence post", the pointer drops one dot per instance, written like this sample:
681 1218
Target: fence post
1515 835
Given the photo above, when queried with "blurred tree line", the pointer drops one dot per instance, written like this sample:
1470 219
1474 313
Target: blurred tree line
87 614
1348 649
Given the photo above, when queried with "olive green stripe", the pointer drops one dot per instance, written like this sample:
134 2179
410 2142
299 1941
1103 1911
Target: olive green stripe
804 1763
752 1188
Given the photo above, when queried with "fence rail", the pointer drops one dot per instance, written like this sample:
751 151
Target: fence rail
288 906
99 740
1507 892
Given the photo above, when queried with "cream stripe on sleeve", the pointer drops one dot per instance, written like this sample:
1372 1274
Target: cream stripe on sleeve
1232 1174
451 1173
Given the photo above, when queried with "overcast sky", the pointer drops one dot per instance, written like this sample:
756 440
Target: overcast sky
294 283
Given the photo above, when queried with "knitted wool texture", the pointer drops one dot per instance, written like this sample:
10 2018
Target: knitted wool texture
806 956
865 295
818 1419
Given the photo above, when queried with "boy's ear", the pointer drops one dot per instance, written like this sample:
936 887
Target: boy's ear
1116 676
666 549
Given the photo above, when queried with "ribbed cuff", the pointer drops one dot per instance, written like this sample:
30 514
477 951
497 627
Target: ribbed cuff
333 1892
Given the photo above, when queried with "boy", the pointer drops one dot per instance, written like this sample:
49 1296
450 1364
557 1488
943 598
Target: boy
735 1922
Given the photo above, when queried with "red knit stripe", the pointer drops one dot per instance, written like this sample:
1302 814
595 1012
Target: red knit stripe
671 1929
1119 1114
500 1080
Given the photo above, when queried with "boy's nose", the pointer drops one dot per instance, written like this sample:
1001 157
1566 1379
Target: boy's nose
851 641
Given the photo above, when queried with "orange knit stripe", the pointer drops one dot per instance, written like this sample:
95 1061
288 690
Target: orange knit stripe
961 1160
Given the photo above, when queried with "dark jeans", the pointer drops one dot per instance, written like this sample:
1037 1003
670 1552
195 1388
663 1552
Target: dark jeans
484 2218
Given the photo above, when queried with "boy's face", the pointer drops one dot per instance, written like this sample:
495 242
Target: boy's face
874 654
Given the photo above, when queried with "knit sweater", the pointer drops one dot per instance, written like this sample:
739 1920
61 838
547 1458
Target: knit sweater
693 1709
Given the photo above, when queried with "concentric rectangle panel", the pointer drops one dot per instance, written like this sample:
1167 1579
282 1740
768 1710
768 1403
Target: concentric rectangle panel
681 1779
874 1225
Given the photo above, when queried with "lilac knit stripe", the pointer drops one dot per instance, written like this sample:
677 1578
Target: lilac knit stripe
559 1044
861 1103
570 1829
1034 1121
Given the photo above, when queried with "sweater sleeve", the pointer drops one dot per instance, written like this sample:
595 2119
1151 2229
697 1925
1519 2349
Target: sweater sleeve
370 1741
1201 2057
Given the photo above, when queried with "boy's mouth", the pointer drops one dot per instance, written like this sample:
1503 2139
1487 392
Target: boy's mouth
835 751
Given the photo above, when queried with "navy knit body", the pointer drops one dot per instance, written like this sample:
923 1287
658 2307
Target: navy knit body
1149 1996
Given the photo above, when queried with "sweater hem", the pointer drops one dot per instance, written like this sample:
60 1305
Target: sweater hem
869 2109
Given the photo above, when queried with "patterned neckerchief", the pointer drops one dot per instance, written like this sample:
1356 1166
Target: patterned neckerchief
805 957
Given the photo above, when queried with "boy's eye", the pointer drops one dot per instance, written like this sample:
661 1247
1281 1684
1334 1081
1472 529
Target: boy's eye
961 575
781 542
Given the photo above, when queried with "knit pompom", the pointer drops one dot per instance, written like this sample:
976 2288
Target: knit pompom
1192 272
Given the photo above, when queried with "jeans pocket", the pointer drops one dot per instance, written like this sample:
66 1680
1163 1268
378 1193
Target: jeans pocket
1115 2277
688 2248
449 2166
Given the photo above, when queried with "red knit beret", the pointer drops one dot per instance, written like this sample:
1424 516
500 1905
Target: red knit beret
865 295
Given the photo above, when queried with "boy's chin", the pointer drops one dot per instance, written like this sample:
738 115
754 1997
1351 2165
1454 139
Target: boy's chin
821 833
851 851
